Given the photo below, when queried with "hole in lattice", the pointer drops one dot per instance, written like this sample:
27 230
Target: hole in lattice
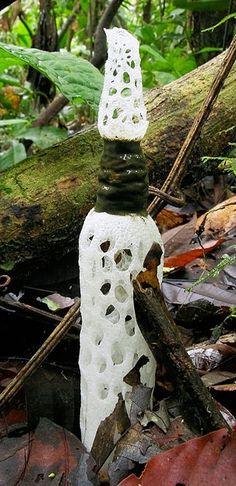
101 364
105 245
129 325
126 77
90 237
135 119
128 51
123 258
105 288
120 293
103 391
112 314
109 310
107 264
116 354
126 92
115 72
136 103
132 64
112 91
86 357
98 339
124 119
115 114
136 83
105 120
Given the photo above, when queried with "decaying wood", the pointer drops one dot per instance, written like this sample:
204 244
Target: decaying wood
198 408
49 344
180 165
51 192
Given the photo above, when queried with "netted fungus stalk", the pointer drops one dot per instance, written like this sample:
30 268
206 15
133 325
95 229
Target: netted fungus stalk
114 242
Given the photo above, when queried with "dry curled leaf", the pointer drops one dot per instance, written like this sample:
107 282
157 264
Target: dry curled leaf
219 220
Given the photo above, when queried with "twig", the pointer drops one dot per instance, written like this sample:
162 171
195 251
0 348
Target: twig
176 173
159 330
28 308
175 201
49 344
51 111
99 51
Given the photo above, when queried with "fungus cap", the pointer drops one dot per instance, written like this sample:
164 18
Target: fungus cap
122 113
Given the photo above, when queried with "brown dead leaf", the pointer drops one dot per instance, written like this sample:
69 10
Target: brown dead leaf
206 460
109 430
182 259
138 445
50 453
168 219
219 220
177 240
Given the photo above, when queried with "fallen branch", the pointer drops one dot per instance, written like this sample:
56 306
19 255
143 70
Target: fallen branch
176 174
49 344
198 408
100 51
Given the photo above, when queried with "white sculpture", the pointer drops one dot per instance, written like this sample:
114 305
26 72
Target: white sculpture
112 250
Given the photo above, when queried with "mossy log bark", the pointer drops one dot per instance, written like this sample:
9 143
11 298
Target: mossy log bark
51 192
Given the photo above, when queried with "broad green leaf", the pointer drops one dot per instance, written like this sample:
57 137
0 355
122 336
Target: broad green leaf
202 5
12 156
225 19
45 136
76 78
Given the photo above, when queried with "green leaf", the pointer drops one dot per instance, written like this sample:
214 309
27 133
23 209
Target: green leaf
44 137
153 53
13 122
202 5
6 79
76 78
12 156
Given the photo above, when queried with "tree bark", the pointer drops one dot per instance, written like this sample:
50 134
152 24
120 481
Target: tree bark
52 191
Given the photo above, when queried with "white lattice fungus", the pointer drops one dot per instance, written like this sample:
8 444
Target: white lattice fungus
112 251
122 114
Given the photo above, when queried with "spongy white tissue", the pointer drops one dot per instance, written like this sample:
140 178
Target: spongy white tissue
122 114
112 250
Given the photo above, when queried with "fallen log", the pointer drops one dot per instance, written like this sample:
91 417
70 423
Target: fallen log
49 194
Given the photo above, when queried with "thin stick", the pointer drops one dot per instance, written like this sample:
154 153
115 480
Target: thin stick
176 173
11 304
18 381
